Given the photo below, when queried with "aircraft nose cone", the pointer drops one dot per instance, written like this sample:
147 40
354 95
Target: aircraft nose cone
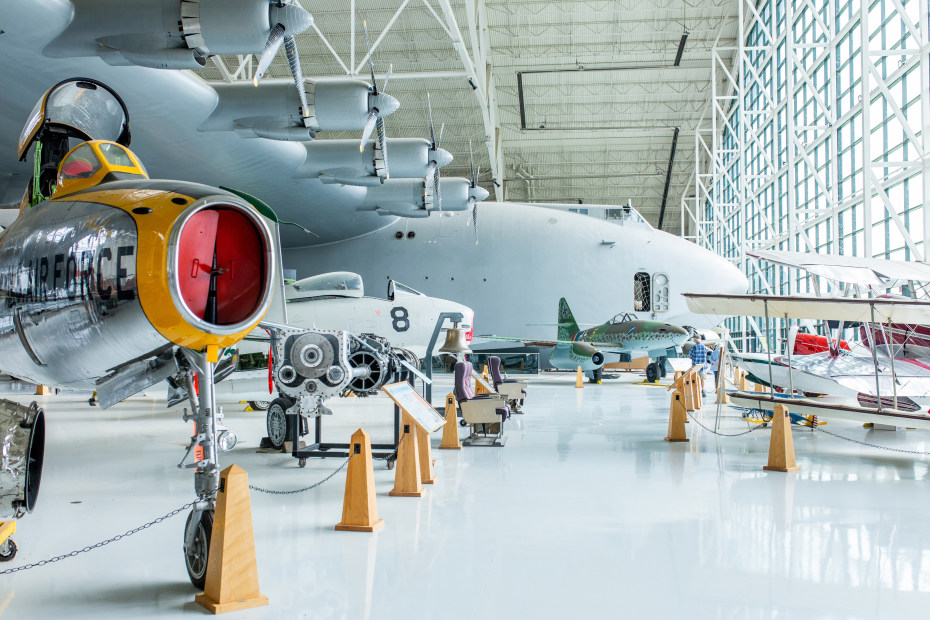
732 280
442 157
677 331
386 104
479 193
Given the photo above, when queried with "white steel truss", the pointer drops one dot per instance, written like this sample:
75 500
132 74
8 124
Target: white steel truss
818 138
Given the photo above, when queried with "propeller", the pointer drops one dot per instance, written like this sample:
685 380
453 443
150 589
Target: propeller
287 19
475 193
437 158
379 106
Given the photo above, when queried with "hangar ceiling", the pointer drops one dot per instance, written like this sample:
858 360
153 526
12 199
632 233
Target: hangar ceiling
561 101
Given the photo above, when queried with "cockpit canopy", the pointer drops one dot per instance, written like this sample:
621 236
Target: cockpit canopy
623 317
77 108
335 284
92 162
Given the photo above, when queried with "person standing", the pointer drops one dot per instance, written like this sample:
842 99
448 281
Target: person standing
698 355
715 363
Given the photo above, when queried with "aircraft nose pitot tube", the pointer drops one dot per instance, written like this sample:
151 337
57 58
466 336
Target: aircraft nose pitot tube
22 450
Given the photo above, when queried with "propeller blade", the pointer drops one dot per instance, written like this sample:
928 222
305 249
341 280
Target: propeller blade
371 62
474 216
441 129
471 157
432 134
430 178
369 127
293 59
382 144
437 190
275 39
387 78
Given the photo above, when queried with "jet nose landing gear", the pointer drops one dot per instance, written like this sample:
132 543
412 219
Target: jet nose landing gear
202 457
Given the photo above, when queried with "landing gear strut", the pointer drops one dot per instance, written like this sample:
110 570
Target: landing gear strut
597 375
202 457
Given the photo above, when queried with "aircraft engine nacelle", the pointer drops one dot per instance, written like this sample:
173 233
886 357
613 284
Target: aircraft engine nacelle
133 269
22 451
576 354
171 34
407 197
341 161
273 110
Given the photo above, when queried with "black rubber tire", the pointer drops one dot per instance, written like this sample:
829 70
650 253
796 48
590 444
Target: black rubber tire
598 375
11 551
259 405
302 462
197 560
276 435
462 422
652 373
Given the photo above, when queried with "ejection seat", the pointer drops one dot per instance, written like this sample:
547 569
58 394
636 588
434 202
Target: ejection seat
485 413
513 390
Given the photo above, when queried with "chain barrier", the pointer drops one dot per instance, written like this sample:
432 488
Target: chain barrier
102 543
309 488
710 430
871 445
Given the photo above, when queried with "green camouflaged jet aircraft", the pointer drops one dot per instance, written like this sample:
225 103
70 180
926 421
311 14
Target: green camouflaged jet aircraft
623 336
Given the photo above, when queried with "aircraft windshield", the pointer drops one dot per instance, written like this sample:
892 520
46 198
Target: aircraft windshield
81 163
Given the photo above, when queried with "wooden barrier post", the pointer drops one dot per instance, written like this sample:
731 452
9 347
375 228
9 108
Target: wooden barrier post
579 379
43 390
426 457
676 419
450 431
688 392
407 471
698 390
360 506
781 444
759 387
232 572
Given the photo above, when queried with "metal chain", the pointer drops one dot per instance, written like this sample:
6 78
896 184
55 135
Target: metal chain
710 430
102 543
872 445
311 487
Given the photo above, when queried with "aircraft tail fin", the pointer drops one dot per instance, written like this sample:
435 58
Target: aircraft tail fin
567 325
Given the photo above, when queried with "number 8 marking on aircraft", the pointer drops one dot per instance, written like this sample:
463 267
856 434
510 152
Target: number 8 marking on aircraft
401 320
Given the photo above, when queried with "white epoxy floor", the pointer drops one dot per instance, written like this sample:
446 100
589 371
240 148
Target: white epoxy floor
586 512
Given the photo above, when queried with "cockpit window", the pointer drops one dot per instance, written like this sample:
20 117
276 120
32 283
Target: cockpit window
81 163
623 317
642 293
116 155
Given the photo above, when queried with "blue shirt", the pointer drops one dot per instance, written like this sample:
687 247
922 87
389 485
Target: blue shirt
698 354
715 358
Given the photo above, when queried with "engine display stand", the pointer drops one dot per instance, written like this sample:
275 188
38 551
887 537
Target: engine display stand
322 449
